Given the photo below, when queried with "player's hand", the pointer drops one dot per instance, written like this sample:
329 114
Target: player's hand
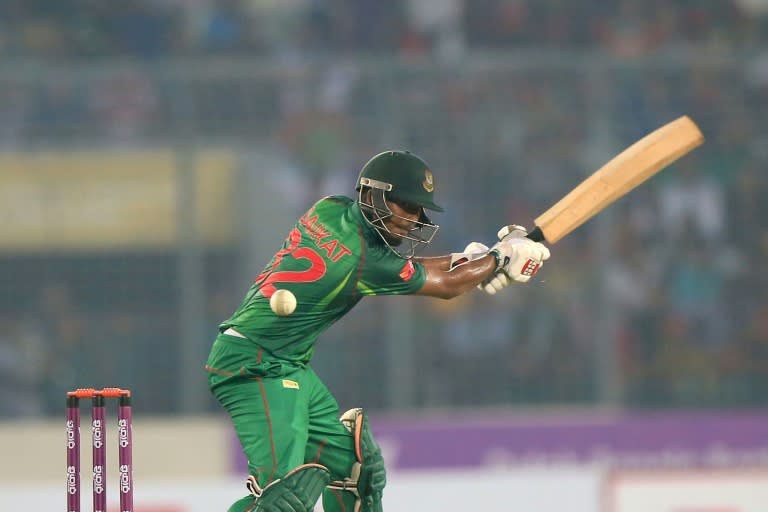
499 280
494 283
511 230
519 257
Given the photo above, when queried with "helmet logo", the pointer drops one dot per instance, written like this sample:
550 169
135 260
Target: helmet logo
428 183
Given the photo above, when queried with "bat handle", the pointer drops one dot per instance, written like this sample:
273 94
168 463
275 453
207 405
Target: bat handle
537 235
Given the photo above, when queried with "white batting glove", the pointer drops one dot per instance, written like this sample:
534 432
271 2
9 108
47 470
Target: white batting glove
519 257
476 248
511 230
495 283
499 280
473 251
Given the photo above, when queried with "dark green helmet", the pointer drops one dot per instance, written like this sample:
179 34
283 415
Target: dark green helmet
403 175
403 178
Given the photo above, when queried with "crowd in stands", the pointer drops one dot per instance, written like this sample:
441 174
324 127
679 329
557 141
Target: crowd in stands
154 29
660 303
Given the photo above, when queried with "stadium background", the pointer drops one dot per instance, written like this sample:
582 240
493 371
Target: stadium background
154 153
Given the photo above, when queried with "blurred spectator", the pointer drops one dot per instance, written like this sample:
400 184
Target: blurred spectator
692 204
142 29
61 325
59 109
755 355
315 124
124 105
695 293
15 106
225 29
633 29
148 29
21 370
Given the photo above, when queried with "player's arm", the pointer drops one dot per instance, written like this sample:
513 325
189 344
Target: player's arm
513 258
444 283
436 262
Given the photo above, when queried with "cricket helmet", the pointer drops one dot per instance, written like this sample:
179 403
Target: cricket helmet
403 178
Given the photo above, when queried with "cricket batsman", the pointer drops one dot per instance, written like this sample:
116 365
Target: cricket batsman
299 446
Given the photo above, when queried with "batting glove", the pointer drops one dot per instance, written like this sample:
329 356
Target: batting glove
519 258
499 280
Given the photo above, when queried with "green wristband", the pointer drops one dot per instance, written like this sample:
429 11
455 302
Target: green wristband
496 254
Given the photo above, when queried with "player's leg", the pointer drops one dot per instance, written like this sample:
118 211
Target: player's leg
331 445
244 504
297 491
269 410
368 472
339 447
270 420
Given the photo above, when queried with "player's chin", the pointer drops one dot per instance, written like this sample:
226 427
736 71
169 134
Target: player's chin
392 239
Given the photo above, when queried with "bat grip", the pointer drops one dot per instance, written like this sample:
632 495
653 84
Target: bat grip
537 235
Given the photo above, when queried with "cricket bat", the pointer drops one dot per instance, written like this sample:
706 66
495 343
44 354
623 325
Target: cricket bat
616 178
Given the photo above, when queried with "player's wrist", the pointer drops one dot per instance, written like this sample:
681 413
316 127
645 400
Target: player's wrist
498 258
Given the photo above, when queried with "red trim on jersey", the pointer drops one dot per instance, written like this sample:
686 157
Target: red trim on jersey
271 434
320 450
363 249
408 270
339 500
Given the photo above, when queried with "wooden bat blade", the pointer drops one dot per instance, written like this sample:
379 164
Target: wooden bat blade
620 175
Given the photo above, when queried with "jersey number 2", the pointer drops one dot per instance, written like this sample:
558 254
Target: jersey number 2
316 270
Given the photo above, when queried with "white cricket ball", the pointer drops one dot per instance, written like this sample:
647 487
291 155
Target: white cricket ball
282 302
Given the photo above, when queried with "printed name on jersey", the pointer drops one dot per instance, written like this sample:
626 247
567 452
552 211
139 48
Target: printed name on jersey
408 270
530 268
317 231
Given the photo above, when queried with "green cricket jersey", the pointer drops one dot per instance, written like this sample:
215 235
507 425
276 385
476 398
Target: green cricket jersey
330 260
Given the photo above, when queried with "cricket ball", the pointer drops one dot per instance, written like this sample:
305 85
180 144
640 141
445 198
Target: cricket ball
282 302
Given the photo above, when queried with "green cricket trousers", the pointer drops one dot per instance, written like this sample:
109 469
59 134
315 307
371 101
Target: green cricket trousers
283 415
